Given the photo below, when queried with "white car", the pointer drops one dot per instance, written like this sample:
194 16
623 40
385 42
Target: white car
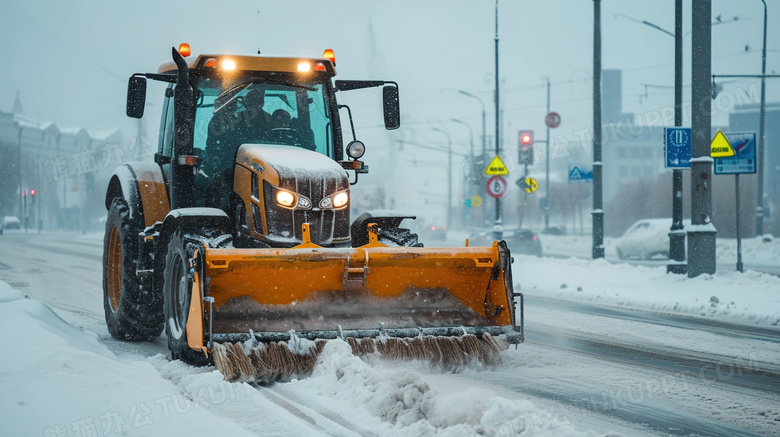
11 222
646 239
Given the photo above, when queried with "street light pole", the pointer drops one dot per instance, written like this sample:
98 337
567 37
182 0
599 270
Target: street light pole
498 232
471 132
598 211
761 139
484 146
473 177
701 239
547 165
677 262
449 176
677 232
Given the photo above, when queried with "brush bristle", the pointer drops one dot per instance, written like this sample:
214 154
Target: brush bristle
276 362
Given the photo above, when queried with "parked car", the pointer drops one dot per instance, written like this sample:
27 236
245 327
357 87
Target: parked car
646 239
11 222
518 240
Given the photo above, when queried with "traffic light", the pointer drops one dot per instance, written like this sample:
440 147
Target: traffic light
526 142
32 196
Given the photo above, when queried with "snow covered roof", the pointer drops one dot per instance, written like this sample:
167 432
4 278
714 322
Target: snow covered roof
104 134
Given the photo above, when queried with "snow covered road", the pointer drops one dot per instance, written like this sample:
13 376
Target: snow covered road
593 363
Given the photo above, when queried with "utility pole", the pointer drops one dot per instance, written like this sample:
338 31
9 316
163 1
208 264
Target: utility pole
701 236
547 166
449 175
598 211
482 104
677 232
761 139
498 232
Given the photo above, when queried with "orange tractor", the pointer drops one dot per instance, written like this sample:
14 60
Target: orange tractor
237 240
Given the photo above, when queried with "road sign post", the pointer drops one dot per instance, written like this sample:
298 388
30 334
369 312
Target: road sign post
552 120
742 145
677 152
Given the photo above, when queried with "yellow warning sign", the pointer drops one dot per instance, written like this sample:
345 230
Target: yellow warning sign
530 185
496 167
720 147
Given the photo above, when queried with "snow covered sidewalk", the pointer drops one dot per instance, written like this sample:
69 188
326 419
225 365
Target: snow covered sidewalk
58 380
748 297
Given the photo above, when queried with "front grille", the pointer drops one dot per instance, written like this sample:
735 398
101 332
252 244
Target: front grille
325 225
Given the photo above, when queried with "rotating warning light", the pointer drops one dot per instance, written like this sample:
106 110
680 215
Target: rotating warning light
329 54
184 49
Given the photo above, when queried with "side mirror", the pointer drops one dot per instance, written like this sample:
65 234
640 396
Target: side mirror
136 96
391 107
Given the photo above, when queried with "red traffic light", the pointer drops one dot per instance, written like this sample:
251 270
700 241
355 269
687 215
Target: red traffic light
526 138
32 192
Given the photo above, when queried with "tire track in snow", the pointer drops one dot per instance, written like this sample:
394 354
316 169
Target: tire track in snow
325 421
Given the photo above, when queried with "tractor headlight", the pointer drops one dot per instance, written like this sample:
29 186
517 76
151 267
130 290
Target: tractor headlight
285 198
340 199
335 201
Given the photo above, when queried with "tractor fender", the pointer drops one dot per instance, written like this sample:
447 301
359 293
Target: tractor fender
142 185
187 220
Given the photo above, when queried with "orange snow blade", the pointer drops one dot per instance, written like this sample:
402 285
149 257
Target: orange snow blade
357 291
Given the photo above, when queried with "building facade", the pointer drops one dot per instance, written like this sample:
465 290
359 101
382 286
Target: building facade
65 168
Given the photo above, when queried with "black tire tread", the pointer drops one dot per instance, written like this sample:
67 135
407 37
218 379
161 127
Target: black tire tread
398 237
139 315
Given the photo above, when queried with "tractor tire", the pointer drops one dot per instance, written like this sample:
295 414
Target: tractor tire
398 237
177 290
132 312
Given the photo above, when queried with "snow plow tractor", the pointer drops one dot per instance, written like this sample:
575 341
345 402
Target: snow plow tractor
237 240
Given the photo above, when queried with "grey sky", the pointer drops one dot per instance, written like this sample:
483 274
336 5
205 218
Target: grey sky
71 60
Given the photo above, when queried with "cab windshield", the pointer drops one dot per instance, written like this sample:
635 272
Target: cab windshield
259 110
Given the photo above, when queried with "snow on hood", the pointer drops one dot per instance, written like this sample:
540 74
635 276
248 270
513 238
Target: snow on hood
292 157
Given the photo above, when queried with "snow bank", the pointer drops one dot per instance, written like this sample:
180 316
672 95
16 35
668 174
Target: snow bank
56 379
399 400
749 297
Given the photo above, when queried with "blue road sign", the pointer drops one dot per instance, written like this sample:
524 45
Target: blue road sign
744 161
580 175
677 145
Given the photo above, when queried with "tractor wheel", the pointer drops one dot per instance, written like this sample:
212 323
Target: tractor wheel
177 290
398 237
132 312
